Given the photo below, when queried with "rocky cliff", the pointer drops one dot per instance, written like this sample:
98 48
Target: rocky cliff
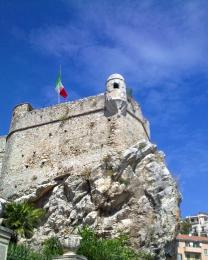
130 191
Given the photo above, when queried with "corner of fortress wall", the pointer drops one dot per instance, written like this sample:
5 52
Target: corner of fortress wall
2 150
44 144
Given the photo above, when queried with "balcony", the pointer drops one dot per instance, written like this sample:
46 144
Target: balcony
188 249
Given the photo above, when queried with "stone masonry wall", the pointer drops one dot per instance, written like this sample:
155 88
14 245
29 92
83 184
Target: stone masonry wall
47 144
2 149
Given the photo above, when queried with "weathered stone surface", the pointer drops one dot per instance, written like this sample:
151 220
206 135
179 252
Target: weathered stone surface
2 149
131 191
44 144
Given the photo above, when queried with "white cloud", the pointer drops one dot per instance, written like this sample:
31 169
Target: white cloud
154 45
147 41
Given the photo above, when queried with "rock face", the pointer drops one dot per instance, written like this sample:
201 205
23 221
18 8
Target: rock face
132 191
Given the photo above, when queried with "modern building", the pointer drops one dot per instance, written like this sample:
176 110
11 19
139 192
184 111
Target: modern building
192 247
199 224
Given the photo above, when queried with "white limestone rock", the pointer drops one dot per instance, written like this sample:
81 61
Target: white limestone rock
131 191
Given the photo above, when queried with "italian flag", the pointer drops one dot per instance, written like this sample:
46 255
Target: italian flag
59 87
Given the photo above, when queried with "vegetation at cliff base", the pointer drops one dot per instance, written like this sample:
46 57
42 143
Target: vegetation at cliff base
96 248
22 252
51 247
22 218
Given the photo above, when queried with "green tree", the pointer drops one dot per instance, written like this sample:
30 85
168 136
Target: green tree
185 227
95 248
22 218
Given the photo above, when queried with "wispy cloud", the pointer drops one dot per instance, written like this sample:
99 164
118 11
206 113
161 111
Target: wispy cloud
148 41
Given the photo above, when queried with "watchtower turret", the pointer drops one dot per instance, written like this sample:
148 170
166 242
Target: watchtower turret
115 95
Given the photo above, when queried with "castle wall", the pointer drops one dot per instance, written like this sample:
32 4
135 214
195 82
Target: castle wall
44 144
25 117
2 150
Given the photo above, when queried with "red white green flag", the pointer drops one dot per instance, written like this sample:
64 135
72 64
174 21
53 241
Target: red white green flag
59 86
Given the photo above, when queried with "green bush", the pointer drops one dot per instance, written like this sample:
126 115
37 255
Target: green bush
95 248
22 218
52 247
22 252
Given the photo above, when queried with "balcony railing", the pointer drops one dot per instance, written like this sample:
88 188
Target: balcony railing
192 249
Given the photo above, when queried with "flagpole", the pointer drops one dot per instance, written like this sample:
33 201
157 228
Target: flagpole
60 76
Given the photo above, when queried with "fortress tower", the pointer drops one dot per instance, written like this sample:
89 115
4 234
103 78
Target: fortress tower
115 96
50 143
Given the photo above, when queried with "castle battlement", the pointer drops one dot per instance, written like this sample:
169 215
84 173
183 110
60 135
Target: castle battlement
24 118
46 143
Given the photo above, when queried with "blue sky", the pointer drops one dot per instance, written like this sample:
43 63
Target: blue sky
160 47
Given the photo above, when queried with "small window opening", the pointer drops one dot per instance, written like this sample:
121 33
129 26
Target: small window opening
115 85
50 134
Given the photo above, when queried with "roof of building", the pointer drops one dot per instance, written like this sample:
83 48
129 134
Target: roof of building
198 214
202 213
192 238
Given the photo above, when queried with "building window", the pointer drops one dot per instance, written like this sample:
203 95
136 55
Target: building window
194 230
192 256
206 251
188 244
188 256
196 244
179 257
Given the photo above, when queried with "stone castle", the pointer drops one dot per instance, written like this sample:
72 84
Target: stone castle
91 162
43 142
